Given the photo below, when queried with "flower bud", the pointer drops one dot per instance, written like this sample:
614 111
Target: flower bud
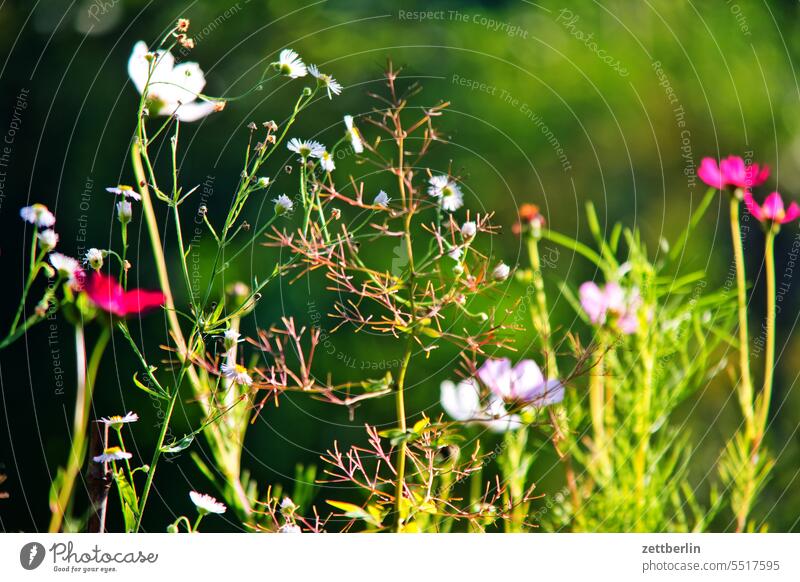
124 211
47 240
287 507
230 339
469 230
94 258
501 272
283 204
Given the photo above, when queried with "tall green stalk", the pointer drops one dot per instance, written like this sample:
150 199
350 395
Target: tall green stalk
769 355
746 385
86 376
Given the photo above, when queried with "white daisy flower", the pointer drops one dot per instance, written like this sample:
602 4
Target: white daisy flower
448 191
206 503
237 373
124 211
290 64
230 338
437 185
332 86
263 182
355 135
173 89
453 201
66 266
117 421
39 215
290 528
469 230
283 204
48 239
126 191
326 161
94 258
501 272
306 148
112 454
382 199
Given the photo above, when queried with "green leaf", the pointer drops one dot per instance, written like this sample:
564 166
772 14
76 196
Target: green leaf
179 445
128 501
576 246
356 512
420 425
150 391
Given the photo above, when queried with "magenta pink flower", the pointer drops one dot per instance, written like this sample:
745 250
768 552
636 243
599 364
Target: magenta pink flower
611 305
772 210
732 171
108 294
523 383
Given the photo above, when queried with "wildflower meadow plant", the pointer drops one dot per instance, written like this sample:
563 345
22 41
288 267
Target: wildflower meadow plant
597 393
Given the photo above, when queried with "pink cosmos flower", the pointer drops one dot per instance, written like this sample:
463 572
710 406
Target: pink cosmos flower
611 303
731 171
108 294
772 210
523 383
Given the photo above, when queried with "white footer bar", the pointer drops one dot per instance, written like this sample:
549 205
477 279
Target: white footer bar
385 558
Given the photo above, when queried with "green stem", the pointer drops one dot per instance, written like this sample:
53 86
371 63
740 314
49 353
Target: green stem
124 273
162 435
597 398
746 392
32 272
541 319
769 359
401 424
83 401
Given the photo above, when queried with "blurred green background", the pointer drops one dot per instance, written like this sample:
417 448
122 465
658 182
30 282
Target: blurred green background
552 103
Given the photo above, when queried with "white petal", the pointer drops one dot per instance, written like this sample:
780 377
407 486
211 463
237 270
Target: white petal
194 111
138 66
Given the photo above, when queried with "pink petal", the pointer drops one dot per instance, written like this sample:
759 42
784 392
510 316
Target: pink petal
105 292
755 175
733 171
496 374
753 206
141 300
709 173
792 213
628 323
773 207
527 380
614 297
593 302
